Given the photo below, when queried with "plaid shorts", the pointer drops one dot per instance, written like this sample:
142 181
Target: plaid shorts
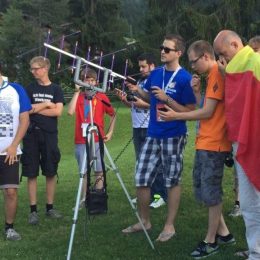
207 176
166 153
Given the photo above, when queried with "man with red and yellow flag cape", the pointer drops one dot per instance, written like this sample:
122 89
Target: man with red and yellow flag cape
242 108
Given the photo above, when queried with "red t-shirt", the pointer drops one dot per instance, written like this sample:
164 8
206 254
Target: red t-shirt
99 109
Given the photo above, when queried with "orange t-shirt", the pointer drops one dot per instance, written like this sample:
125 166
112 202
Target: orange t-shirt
212 133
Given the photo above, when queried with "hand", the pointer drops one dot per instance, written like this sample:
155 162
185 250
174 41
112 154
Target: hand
131 87
159 94
167 115
50 104
120 94
11 154
77 88
108 137
195 83
222 64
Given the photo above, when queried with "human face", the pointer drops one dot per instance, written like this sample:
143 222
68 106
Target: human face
197 62
38 71
144 68
169 53
255 47
90 81
225 50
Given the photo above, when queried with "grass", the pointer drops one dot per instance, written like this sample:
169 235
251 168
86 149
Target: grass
103 238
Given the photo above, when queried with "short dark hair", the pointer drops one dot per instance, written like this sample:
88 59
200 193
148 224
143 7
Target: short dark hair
178 40
200 47
255 39
149 57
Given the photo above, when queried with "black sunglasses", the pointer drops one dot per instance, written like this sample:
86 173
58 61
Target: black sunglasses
166 49
192 62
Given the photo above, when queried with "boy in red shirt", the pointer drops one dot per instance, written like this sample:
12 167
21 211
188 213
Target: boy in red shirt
101 106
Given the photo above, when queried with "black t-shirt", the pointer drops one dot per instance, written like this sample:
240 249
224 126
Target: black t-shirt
38 94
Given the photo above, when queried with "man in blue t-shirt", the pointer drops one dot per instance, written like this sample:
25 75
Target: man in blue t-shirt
14 121
165 142
140 119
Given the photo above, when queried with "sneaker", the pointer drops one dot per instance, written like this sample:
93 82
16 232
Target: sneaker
54 213
134 200
81 204
34 218
235 212
225 240
204 250
158 202
12 235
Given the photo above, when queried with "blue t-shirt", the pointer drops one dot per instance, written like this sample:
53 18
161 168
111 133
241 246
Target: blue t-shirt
180 90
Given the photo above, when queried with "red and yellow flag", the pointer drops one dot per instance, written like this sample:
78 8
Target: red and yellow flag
242 108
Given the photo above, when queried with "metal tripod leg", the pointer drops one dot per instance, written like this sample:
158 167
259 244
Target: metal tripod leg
116 171
76 209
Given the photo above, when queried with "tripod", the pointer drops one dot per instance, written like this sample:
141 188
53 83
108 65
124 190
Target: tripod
90 135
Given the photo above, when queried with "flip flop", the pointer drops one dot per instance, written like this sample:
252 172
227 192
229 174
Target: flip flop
133 229
165 236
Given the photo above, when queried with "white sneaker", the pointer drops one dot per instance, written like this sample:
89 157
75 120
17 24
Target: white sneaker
235 212
12 235
134 200
81 205
157 203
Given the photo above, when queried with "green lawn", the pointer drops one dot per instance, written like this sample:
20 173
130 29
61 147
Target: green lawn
101 237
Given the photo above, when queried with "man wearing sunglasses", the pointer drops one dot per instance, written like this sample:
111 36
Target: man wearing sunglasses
165 142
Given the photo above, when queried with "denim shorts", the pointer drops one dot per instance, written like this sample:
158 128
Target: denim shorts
207 176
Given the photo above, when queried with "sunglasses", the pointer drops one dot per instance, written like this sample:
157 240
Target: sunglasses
166 49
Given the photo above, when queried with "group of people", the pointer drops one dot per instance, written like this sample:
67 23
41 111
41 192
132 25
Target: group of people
228 116
162 101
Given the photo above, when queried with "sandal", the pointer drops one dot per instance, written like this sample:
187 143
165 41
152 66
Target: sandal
165 236
134 229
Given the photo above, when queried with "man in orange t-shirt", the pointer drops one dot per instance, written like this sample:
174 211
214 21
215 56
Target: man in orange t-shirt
212 145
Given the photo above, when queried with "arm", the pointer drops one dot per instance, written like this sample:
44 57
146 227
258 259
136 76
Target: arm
36 108
112 123
122 95
73 101
11 151
57 111
135 88
195 84
160 94
139 103
202 113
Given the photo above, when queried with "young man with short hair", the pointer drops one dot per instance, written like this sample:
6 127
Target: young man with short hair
40 144
212 146
140 120
14 121
165 141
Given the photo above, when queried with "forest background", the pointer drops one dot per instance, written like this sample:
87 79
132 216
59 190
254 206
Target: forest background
108 26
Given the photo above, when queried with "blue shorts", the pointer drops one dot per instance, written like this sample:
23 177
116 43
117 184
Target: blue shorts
166 153
207 176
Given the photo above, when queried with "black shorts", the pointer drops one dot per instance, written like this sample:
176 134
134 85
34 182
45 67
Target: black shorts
40 148
9 174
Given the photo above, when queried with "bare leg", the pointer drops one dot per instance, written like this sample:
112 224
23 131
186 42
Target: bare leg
32 190
10 198
50 189
99 180
216 223
143 198
174 195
